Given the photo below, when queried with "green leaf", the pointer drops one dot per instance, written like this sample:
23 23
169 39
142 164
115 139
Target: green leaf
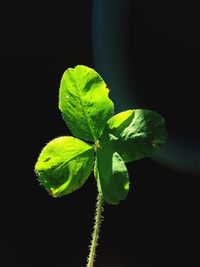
64 165
112 176
135 134
84 102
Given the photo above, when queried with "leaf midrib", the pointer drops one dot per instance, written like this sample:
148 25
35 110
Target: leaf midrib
86 118
73 157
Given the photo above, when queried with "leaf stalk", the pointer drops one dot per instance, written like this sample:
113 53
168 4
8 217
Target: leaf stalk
96 229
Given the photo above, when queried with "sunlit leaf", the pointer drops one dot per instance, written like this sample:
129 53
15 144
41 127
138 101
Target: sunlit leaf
84 102
135 134
112 176
64 165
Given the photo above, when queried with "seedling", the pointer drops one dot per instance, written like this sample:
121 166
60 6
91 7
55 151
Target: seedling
102 143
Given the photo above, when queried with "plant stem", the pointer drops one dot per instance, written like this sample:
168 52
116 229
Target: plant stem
95 234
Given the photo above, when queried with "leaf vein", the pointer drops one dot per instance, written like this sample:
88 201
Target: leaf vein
86 118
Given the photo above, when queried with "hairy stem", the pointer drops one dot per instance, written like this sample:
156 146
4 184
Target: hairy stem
95 234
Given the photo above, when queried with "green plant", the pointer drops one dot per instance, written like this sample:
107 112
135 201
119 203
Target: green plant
66 162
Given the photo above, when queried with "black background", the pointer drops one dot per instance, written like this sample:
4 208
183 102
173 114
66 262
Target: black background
158 224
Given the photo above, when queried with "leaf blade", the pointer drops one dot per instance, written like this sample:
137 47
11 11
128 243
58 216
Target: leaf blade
112 176
84 102
64 165
135 134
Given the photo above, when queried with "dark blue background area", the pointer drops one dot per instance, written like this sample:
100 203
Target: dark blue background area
144 53
157 225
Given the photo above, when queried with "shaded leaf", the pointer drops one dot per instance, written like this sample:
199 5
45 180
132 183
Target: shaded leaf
84 102
64 165
135 134
112 176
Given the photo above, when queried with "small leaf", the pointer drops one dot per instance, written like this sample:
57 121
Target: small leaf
135 134
112 175
84 102
64 165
